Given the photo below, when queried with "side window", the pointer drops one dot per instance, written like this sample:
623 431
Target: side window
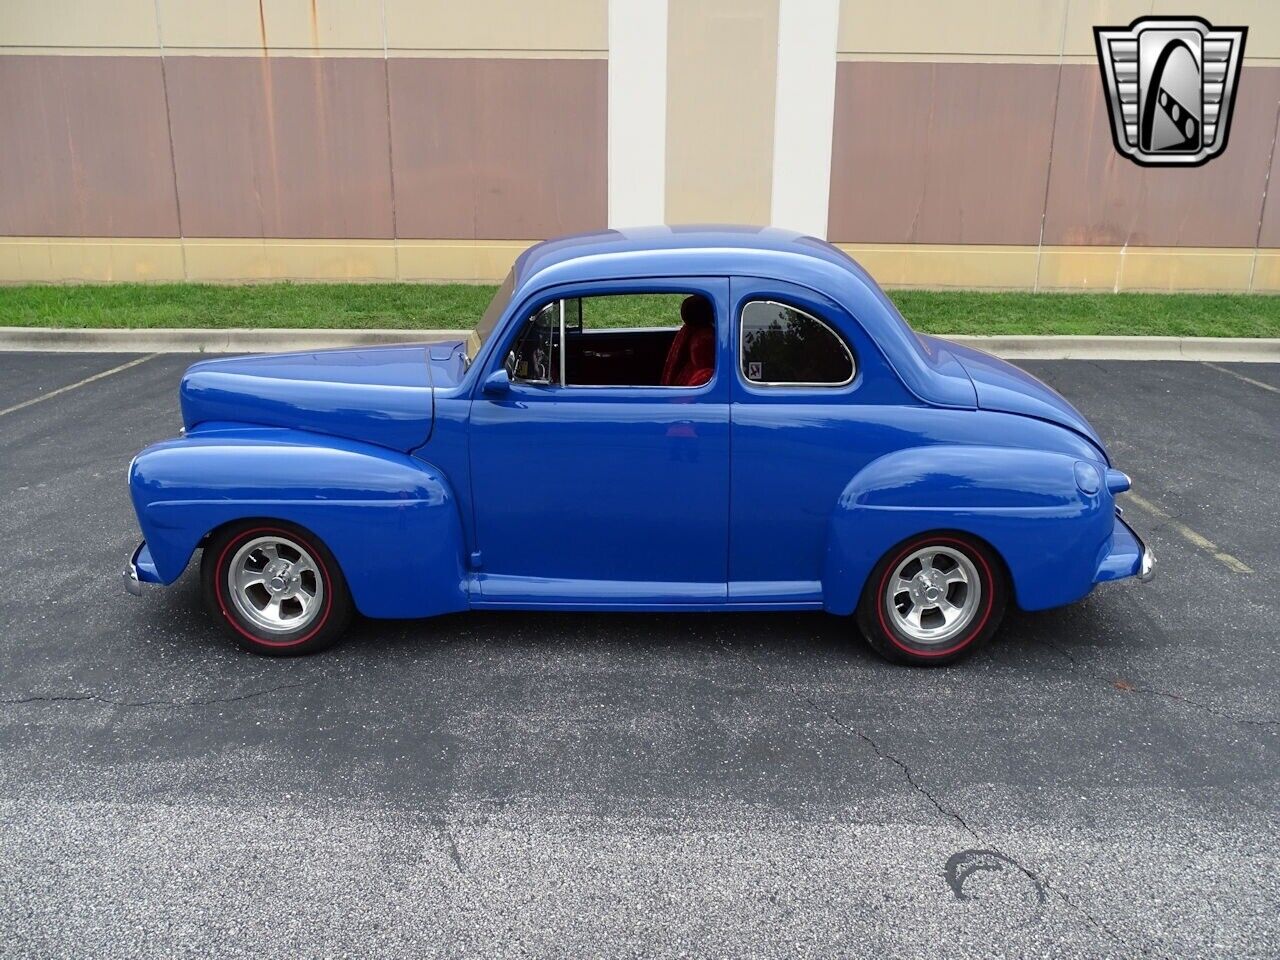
534 357
783 346
618 340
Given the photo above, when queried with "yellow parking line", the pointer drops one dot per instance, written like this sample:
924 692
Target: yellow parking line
1204 543
79 383
1241 376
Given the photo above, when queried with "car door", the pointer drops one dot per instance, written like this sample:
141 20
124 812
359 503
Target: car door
598 496
800 430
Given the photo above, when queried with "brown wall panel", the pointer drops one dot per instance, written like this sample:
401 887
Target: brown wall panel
497 148
1269 235
940 152
84 148
281 146
1098 197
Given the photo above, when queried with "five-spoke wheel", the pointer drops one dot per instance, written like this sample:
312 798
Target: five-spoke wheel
276 586
933 599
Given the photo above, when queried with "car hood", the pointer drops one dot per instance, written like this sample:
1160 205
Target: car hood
379 395
1002 386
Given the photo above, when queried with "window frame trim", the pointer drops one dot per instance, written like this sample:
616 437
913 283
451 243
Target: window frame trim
774 384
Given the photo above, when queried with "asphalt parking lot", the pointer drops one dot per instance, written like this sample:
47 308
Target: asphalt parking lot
1102 780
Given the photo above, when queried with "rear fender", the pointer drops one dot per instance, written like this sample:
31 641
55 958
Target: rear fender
1026 504
391 521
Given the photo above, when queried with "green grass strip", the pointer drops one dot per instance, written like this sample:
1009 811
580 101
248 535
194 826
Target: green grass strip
434 306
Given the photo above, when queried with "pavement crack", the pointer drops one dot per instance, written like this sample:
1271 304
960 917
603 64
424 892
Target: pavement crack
1042 884
161 703
451 847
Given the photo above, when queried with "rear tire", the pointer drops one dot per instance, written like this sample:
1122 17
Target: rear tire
933 599
276 588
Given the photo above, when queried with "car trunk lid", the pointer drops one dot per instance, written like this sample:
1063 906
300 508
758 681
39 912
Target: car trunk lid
1005 388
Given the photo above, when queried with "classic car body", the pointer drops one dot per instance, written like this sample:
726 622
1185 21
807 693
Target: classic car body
439 482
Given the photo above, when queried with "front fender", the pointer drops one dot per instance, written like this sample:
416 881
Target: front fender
391 521
1027 504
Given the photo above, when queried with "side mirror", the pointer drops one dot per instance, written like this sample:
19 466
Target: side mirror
497 384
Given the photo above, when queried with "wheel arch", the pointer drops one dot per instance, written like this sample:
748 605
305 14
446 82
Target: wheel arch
391 522
1024 505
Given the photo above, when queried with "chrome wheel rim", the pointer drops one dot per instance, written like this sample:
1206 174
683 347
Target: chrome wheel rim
275 584
933 595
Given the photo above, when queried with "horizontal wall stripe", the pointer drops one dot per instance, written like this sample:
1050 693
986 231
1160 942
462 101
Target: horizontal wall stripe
1041 30
1024 267
305 27
1101 269
79 23
498 24
214 259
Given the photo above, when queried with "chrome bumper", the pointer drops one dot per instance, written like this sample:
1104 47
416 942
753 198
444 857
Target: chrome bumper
1146 559
1147 567
131 581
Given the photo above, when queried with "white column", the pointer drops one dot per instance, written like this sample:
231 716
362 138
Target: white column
637 112
804 114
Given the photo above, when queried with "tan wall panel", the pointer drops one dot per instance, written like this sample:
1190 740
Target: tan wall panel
940 153
232 260
951 27
78 23
1038 30
467 260
1266 272
1144 269
84 149
281 147
1097 196
1084 15
289 24
571 25
92 260
934 265
76 260
721 69
507 149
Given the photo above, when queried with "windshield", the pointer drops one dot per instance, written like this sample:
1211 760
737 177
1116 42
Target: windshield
484 329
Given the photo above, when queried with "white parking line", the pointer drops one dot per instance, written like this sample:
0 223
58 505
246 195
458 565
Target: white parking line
1241 376
79 383
1204 543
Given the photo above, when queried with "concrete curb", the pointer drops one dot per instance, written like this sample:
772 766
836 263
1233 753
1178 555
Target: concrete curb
246 340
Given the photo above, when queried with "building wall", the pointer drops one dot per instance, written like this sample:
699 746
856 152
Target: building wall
942 142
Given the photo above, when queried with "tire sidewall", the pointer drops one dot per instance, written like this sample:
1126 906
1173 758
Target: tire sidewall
316 635
878 629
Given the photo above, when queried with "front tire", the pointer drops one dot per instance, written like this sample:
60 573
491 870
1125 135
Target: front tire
933 599
276 587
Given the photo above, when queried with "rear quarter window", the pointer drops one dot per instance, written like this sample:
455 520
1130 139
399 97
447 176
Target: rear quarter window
783 346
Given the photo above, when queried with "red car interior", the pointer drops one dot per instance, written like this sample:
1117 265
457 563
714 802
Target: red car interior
692 358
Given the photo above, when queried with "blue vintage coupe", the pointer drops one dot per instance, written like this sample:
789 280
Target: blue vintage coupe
671 419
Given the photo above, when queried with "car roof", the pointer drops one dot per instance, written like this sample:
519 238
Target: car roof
769 252
707 250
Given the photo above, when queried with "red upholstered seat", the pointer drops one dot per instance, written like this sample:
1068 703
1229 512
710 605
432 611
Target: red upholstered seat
691 360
